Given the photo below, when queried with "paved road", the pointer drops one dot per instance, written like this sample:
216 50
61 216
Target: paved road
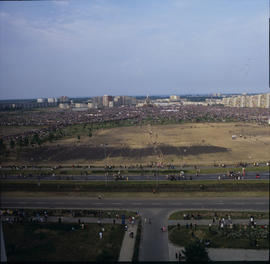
154 244
132 177
138 203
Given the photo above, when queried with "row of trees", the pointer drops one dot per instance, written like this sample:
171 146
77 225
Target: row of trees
35 139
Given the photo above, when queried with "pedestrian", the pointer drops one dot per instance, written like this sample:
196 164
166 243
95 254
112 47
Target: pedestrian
100 235
114 221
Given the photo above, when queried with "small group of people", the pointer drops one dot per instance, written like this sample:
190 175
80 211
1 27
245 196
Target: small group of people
192 216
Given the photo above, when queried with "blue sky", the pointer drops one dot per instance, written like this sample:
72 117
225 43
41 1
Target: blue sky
131 47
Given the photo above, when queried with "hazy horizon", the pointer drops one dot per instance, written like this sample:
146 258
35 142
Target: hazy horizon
119 47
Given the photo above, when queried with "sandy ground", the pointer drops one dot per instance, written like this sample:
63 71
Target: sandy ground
252 144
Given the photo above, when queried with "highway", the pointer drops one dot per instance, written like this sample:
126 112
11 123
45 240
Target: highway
154 243
139 203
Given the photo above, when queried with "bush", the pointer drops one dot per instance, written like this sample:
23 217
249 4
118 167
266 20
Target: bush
196 252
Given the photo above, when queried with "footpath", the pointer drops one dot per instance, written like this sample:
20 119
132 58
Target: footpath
128 244
209 221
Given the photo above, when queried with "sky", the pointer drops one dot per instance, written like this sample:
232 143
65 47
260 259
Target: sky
86 48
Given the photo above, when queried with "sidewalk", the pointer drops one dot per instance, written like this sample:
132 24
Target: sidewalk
127 248
68 219
226 254
209 221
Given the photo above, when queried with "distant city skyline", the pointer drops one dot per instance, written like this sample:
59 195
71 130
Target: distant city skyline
119 47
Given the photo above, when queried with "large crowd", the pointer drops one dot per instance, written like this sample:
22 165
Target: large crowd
46 121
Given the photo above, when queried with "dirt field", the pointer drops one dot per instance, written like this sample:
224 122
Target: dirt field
178 144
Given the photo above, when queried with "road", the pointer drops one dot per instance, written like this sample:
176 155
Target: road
154 243
131 177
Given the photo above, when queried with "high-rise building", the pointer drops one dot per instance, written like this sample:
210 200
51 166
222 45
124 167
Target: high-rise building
64 99
259 100
174 98
106 99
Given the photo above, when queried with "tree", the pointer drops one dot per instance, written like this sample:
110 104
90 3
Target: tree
20 142
3 149
12 144
26 141
51 136
196 252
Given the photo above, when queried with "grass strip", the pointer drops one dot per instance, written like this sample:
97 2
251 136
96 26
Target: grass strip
127 172
239 236
135 186
62 242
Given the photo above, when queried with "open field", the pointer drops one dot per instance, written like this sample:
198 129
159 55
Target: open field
62 242
200 143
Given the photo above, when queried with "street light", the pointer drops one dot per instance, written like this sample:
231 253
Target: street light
268 169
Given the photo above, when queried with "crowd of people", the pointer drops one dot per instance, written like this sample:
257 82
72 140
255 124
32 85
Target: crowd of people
46 121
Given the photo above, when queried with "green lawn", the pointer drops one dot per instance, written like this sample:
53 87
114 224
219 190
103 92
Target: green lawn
205 214
58 242
238 237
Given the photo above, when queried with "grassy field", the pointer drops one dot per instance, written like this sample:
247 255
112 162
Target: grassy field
189 143
238 237
58 242
205 214
125 172
254 143
135 186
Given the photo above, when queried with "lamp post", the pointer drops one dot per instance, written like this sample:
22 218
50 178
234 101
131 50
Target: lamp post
268 169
